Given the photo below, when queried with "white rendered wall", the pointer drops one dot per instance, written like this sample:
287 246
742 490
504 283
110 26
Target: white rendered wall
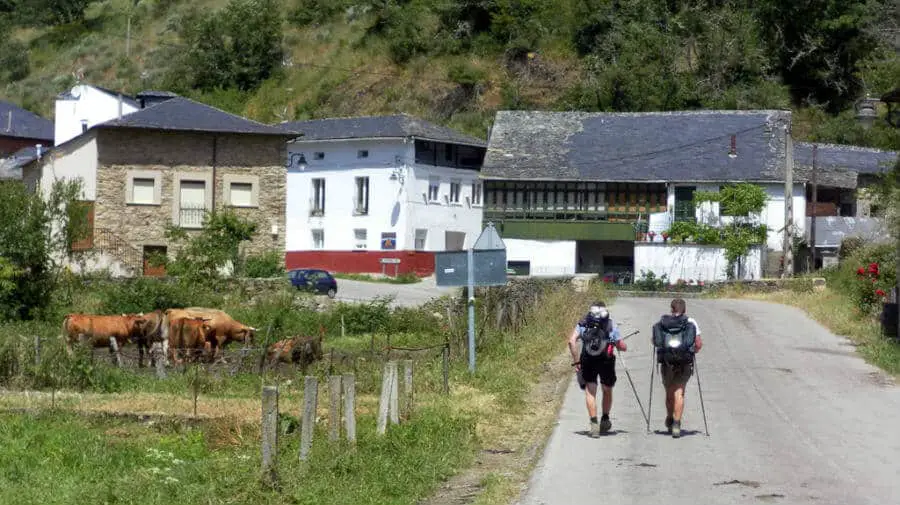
546 257
78 160
92 105
691 262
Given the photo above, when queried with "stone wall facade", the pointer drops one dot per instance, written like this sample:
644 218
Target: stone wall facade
170 158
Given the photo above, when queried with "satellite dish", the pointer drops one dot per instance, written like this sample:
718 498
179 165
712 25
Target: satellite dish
76 92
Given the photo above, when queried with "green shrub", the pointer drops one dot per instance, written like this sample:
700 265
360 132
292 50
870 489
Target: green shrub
146 294
866 274
265 265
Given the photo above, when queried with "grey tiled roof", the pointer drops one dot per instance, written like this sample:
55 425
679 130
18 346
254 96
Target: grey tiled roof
184 114
654 146
862 160
396 126
11 166
20 123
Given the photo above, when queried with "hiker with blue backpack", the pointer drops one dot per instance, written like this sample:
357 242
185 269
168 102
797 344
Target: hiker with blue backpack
596 359
676 338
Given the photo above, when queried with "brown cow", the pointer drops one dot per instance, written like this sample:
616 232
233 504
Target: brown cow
191 335
98 329
150 330
225 328
302 350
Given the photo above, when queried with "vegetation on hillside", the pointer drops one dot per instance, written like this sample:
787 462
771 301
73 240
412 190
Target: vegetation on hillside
458 61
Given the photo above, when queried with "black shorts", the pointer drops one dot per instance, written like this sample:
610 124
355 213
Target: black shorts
591 368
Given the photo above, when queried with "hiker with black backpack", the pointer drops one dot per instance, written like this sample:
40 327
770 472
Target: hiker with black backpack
599 336
676 338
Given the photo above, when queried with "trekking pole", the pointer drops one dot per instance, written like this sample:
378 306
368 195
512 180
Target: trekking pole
700 390
628 374
650 400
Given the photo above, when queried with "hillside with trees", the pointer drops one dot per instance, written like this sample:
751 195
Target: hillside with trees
458 61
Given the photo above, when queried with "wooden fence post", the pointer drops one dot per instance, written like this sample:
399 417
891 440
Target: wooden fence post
270 434
395 394
343 327
385 400
407 388
446 356
114 347
334 414
308 426
349 385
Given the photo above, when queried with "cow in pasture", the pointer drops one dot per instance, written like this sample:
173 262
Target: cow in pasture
150 331
190 334
97 330
224 328
302 349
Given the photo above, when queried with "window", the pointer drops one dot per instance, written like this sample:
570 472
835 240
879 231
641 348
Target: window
684 203
142 187
361 198
318 239
362 153
241 193
319 156
421 239
241 190
318 203
359 239
434 186
476 193
142 191
454 191
192 195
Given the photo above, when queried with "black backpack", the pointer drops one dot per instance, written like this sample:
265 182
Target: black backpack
595 338
673 337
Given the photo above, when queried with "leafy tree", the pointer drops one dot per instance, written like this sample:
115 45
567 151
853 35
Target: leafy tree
216 247
52 12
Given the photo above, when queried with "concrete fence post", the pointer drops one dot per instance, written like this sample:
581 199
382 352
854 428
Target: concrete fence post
269 434
308 423
334 411
349 385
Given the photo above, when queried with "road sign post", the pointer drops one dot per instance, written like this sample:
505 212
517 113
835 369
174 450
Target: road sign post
484 264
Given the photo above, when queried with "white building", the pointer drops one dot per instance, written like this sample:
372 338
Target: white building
85 106
367 189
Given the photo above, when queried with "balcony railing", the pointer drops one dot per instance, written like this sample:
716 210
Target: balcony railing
191 217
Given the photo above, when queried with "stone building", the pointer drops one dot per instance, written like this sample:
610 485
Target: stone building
170 163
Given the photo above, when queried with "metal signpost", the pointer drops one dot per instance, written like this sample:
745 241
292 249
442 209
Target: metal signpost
484 264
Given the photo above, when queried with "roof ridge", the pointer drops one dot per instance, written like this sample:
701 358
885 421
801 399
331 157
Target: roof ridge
735 112
339 118
850 147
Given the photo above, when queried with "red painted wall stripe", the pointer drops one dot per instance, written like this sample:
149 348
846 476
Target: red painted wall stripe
362 262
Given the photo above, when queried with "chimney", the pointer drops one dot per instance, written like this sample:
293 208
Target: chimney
38 150
733 153
120 106
9 121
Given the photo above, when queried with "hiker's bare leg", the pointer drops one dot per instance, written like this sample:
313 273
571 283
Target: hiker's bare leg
678 401
670 400
607 400
590 397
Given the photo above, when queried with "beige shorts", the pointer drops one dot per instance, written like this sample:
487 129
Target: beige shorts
675 375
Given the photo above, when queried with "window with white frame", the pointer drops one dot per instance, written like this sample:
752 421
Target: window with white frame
476 193
318 202
454 191
359 238
318 239
192 198
361 196
241 194
421 239
434 187
142 191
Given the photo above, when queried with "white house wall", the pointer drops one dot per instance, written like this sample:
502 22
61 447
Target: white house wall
72 162
443 216
691 262
546 257
92 105
774 213
340 166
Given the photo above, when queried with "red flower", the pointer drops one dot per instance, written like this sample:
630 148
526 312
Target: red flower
873 268
879 292
860 271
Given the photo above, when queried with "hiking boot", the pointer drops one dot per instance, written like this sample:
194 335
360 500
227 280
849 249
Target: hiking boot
595 429
676 429
605 424
669 422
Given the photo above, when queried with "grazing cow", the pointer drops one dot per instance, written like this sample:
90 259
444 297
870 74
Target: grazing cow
190 334
97 330
225 328
150 332
302 350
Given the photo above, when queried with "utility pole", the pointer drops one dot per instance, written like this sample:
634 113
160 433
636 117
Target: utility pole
815 210
788 245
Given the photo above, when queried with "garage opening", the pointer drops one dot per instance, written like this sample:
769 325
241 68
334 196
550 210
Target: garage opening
613 258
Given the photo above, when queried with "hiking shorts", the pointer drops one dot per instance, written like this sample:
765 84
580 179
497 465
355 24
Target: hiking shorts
605 369
675 374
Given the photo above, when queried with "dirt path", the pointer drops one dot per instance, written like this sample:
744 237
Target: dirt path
795 416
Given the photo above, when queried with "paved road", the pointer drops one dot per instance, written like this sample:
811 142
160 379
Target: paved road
795 416
405 294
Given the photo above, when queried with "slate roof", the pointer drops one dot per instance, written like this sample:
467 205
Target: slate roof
11 166
24 124
184 114
688 146
396 126
862 160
